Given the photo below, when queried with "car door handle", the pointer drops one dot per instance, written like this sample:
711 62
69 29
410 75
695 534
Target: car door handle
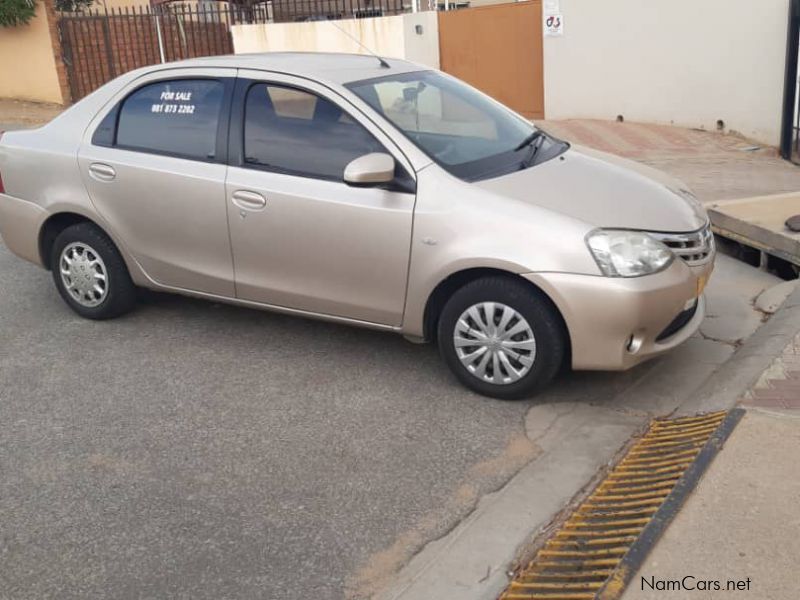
102 172
249 200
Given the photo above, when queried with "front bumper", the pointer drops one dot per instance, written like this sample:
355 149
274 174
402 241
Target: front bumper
617 323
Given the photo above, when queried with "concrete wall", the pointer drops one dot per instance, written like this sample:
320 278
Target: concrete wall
123 4
27 63
685 62
394 37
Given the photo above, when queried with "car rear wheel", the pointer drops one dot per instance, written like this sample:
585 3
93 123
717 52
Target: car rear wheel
90 274
501 338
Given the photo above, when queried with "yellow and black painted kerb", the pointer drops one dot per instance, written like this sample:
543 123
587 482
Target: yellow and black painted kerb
601 546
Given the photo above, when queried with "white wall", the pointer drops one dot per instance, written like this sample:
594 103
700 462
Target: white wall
687 62
683 62
393 37
422 48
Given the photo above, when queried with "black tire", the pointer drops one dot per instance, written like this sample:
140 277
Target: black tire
545 322
120 294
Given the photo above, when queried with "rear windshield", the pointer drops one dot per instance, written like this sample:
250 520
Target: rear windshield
465 132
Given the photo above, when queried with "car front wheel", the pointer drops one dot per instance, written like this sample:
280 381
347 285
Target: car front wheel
501 338
90 274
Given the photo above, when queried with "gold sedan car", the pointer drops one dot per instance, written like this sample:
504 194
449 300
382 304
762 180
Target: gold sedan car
377 193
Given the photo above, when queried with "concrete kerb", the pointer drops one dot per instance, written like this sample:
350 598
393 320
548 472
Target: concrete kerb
726 386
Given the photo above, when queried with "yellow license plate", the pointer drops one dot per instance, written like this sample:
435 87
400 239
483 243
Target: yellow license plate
701 284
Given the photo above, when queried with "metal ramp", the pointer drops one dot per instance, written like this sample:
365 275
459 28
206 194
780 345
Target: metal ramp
759 223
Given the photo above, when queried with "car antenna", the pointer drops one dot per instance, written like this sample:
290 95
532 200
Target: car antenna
384 64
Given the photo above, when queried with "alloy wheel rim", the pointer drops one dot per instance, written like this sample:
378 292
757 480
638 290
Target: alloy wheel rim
83 274
494 343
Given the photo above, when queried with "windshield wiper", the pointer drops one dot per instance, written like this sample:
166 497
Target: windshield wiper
538 133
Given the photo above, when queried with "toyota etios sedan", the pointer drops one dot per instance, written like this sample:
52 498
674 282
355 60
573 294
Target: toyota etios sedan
378 193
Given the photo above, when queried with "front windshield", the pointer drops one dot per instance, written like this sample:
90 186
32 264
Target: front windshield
457 126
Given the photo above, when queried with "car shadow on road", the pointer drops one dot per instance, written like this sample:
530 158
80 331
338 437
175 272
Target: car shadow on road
250 330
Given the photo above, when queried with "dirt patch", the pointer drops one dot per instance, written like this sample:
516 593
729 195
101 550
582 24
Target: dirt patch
27 114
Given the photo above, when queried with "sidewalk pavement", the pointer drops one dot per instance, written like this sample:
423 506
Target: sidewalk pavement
740 526
714 165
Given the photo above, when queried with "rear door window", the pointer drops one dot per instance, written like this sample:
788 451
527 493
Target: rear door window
178 117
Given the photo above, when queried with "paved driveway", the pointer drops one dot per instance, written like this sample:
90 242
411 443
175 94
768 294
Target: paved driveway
717 167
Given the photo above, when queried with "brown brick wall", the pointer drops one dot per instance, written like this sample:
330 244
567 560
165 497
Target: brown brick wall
55 42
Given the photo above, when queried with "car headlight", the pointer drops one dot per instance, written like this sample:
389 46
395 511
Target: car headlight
622 253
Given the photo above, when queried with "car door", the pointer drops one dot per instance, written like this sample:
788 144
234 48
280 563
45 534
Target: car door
154 164
301 237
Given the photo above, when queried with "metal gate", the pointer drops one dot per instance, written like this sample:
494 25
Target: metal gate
498 49
98 46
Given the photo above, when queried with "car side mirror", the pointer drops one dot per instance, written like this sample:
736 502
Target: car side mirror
370 169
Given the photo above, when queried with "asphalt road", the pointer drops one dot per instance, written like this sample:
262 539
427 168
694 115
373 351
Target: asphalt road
194 450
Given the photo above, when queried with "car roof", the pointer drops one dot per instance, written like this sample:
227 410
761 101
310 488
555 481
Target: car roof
338 68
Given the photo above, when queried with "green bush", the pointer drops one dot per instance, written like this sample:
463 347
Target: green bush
16 12
71 5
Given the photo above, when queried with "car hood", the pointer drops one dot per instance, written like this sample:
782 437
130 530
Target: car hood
604 191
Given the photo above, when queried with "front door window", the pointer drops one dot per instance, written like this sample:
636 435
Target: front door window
292 131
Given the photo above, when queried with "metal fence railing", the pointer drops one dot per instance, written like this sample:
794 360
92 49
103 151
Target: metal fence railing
99 45
318 10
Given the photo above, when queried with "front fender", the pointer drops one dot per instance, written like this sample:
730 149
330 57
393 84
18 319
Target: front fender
458 226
